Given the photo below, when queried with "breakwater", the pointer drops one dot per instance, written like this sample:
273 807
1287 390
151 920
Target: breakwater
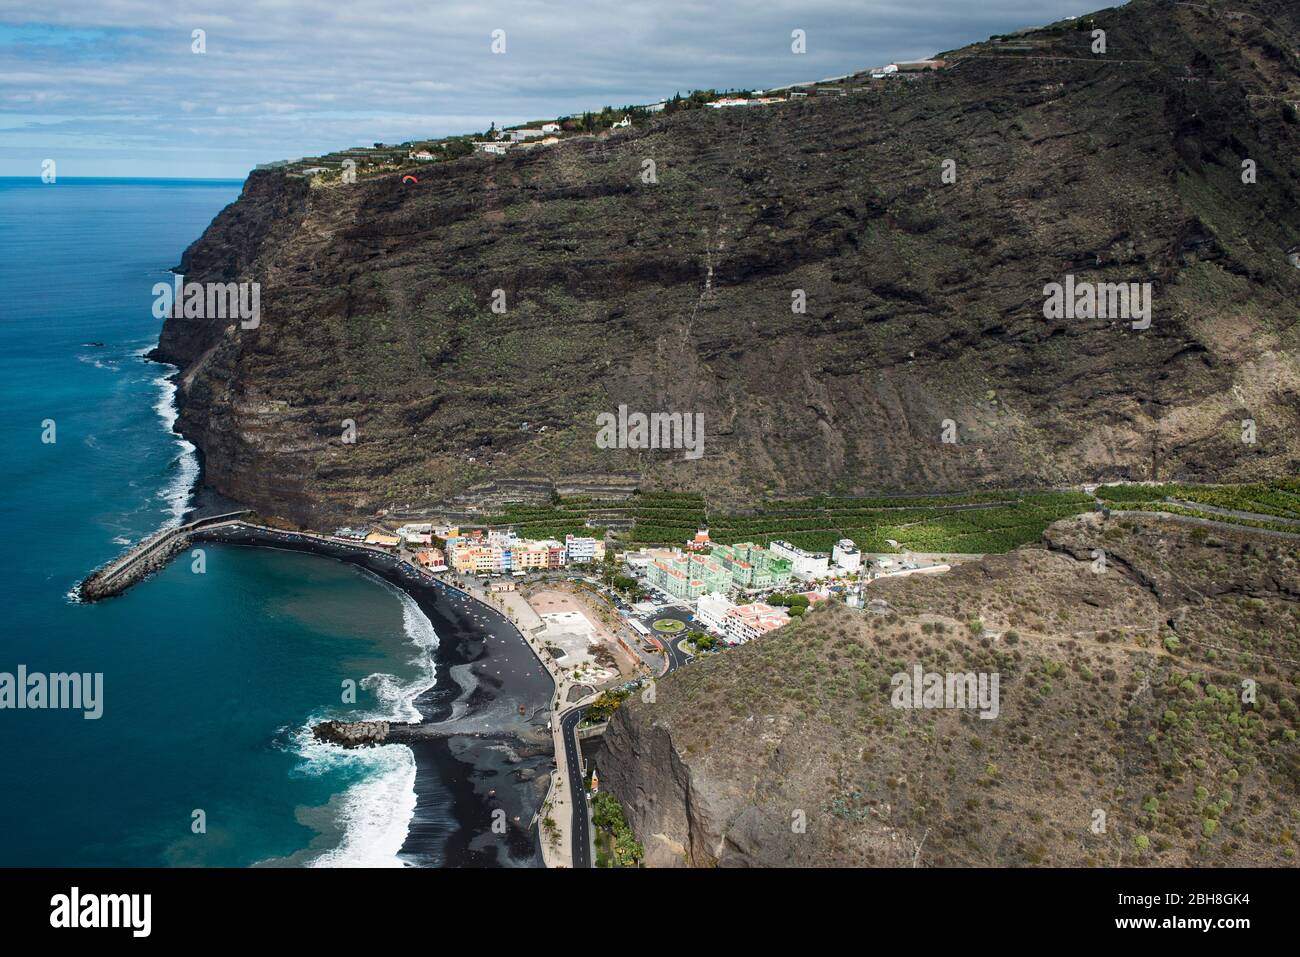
148 556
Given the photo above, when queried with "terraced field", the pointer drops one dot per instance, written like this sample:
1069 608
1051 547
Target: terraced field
976 522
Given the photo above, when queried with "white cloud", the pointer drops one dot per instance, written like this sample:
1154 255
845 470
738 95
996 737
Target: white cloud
306 78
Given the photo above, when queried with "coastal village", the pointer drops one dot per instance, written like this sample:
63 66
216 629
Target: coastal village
331 169
729 593
607 623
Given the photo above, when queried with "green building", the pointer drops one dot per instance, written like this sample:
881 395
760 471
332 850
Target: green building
752 567
687 576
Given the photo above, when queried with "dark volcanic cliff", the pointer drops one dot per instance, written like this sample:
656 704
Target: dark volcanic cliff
924 300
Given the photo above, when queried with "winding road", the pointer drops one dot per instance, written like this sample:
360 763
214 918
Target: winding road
581 813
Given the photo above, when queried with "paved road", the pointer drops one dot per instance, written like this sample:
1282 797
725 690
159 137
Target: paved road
577 787
676 657
569 726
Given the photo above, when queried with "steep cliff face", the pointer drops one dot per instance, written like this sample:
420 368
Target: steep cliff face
924 299
1120 707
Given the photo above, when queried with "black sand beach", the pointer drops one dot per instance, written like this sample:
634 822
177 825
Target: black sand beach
481 766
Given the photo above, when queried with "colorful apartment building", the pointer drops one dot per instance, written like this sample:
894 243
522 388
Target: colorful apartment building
752 567
504 555
528 555
687 576
473 559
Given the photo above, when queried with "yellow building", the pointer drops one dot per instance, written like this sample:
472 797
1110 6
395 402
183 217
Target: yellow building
475 559
528 556
383 539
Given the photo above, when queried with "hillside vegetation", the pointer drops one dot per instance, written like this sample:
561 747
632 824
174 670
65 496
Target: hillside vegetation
1147 716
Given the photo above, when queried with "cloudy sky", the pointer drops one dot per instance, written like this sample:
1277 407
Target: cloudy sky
113 87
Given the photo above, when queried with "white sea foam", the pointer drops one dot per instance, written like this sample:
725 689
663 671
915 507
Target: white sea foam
98 362
177 492
374 814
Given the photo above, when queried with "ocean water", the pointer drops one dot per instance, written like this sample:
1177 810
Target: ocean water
209 679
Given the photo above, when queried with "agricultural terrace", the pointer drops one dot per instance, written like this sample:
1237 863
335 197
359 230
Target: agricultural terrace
973 522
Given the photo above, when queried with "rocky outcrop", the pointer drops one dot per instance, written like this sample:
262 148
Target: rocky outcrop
353 734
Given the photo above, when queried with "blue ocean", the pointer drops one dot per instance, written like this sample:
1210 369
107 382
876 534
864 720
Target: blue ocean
200 757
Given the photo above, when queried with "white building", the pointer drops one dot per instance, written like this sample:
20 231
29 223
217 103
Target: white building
624 122
711 611
846 555
747 622
804 564
518 136
743 101
496 149
577 549
550 127
656 107
637 562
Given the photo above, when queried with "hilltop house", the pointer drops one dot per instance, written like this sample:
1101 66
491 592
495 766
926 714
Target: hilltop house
742 101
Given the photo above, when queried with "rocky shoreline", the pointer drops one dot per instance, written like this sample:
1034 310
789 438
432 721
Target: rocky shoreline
356 734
